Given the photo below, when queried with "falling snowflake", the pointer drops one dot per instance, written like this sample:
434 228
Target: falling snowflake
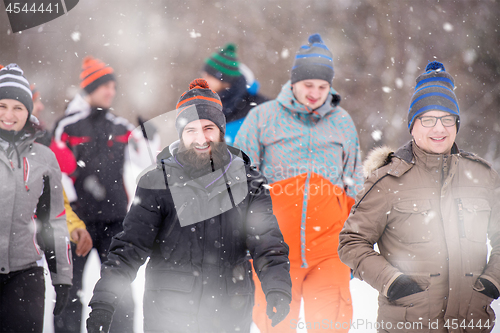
75 36
447 26
377 135
194 34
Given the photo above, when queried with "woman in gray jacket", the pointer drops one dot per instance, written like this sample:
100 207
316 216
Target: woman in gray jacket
33 219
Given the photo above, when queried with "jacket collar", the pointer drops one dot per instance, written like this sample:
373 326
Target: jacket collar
289 102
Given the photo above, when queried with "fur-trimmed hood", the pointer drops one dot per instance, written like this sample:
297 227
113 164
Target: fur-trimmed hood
377 158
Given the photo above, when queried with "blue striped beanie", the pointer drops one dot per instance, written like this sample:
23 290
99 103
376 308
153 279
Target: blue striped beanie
313 61
434 91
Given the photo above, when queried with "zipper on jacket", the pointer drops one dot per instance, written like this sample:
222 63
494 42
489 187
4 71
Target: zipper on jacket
461 223
26 173
11 164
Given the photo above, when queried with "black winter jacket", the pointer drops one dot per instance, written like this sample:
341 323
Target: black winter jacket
97 139
198 278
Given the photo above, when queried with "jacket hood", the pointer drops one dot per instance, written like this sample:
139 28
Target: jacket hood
377 158
289 102
380 156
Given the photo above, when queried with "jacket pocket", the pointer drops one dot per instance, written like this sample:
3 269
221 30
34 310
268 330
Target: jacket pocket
476 215
238 285
480 315
407 314
170 280
412 221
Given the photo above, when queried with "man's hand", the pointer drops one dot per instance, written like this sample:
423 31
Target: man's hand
83 241
401 287
489 288
99 321
62 296
281 302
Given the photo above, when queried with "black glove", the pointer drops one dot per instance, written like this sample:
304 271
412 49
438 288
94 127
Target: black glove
401 287
99 321
62 296
489 289
280 301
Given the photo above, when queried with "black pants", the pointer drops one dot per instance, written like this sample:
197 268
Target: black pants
22 301
70 319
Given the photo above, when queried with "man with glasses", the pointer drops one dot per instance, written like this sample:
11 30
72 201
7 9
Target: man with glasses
429 207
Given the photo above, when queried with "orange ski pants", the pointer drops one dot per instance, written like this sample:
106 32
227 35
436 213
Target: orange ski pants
324 284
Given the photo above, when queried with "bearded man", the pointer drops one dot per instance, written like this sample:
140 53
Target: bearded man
196 216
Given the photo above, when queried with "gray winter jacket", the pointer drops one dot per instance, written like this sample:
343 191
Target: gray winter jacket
33 219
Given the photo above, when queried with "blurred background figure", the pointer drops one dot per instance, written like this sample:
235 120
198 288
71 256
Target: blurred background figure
33 220
235 84
90 144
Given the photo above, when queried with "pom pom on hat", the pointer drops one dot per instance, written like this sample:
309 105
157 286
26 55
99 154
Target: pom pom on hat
315 38
434 66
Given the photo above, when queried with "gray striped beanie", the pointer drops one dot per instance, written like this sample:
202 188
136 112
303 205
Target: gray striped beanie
313 61
434 91
13 85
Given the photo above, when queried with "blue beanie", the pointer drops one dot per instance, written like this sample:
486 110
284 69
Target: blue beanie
434 91
313 61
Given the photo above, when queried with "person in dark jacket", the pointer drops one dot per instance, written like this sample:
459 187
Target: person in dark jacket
32 219
236 86
196 216
90 144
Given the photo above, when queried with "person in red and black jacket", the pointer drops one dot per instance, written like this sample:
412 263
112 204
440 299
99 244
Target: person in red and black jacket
90 144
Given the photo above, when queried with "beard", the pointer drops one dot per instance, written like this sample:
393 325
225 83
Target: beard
198 164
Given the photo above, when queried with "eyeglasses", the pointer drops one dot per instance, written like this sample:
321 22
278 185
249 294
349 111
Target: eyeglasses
429 121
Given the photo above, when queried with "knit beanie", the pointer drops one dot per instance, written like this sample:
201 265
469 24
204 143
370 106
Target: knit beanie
94 73
13 85
313 61
199 102
434 91
223 65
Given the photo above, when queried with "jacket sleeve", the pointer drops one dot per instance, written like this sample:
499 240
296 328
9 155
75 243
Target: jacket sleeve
265 241
248 137
353 167
361 231
72 220
54 230
130 248
492 270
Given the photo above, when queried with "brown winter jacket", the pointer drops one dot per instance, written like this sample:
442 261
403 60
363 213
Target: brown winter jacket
430 216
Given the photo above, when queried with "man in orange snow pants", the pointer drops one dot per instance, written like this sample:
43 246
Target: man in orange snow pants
308 148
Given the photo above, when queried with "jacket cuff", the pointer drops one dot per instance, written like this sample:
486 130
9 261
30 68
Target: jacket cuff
388 285
102 306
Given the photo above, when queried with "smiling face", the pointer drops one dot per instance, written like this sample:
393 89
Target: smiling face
199 135
13 115
311 93
437 139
